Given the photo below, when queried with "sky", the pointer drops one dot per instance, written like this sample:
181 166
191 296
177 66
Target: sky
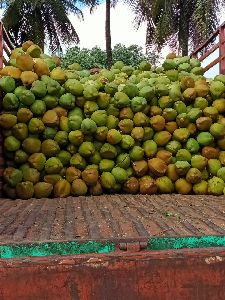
92 30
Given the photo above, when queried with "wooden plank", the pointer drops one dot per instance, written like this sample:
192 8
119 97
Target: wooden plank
109 217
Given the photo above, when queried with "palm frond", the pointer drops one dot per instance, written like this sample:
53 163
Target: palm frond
39 20
204 21
178 23
63 27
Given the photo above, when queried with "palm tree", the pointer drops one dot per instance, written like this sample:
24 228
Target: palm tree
108 39
36 20
108 5
183 24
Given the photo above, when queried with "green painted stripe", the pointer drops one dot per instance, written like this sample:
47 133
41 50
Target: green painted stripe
55 248
166 243
70 248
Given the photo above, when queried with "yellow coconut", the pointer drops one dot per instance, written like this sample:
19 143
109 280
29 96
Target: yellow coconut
41 67
26 45
11 71
56 60
25 62
28 77
16 52
34 51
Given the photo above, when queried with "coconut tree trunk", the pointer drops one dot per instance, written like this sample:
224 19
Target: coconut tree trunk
186 11
185 46
183 37
41 44
108 34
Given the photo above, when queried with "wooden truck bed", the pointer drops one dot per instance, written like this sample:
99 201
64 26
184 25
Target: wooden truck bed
119 247
110 217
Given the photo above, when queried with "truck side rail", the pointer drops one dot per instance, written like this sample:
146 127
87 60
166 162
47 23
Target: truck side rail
205 50
6 46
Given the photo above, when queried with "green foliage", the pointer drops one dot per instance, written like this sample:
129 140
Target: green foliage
87 58
96 57
182 24
132 55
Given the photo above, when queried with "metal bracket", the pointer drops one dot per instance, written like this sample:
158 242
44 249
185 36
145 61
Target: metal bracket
133 246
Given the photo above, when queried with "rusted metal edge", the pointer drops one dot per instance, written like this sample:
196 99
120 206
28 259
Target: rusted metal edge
176 274
71 259
119 240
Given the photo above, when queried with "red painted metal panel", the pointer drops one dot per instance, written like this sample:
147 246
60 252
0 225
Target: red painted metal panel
159 275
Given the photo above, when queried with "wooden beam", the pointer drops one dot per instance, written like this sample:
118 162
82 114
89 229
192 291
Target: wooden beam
205 44
7 39
6 49
5 62
212 64
209 52
1 45
222 50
